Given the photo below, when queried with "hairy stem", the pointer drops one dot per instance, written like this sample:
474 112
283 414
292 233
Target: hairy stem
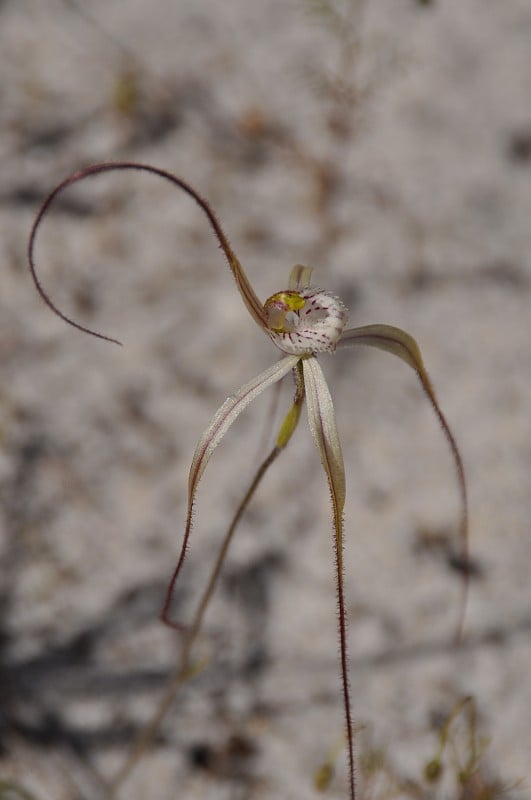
321 417
343 649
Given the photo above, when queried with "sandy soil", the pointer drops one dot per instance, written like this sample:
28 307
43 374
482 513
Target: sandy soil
389 146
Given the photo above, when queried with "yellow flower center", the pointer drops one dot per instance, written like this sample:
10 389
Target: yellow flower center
281 311
306 321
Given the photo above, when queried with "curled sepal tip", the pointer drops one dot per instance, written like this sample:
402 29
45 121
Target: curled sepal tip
249 297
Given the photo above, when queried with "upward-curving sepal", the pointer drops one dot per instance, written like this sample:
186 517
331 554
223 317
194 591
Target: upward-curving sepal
249 297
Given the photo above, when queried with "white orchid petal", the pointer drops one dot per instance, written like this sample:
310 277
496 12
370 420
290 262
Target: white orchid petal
228 413
212 436
322 420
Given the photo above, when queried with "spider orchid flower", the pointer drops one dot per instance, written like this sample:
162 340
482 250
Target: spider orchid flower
303 322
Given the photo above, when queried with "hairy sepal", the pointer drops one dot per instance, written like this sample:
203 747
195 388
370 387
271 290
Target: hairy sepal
401 344
322 420
228 413
212 436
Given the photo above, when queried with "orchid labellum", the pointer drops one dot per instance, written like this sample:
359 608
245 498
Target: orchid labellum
303 322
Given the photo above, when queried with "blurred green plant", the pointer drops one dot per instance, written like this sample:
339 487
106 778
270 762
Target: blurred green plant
460 767
11 790
303 322
460 749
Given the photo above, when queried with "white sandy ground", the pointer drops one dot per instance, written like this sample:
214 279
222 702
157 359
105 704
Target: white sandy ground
398 163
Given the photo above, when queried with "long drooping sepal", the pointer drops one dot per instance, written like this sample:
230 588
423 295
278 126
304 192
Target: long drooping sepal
185 669
223 419
399 343
250 299
322 420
